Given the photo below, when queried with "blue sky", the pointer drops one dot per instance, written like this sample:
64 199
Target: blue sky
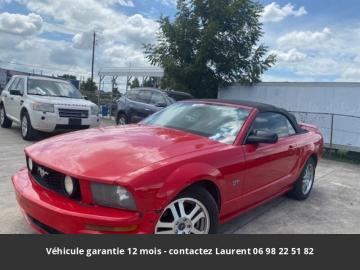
314 40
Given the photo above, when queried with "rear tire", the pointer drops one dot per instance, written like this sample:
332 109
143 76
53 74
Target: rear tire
121 119
304 184
28 133
5 122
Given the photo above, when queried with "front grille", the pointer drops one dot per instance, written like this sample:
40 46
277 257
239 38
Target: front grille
53 181
42 226
71 127
70 113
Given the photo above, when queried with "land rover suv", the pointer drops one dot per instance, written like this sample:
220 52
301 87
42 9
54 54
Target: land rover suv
45 104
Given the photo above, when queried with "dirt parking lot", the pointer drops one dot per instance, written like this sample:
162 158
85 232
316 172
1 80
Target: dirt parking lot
333 207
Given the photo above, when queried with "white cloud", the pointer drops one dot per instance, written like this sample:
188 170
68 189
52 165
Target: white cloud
292 55
20 24
350 75
169 2
275 13
305 38
126 3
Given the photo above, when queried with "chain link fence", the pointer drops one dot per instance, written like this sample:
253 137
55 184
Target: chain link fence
341 132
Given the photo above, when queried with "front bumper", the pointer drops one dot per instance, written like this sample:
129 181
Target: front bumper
50 122
49 212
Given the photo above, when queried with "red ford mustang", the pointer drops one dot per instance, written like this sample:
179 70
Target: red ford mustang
183 170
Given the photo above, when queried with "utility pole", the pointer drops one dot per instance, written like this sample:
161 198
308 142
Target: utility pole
93 59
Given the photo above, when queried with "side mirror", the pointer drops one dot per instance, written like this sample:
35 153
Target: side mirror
161 104
259 136
86 97
15 93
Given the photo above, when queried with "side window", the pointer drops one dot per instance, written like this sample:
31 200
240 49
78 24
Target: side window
21 86
157 98
274 122
132 95
13 84
144 96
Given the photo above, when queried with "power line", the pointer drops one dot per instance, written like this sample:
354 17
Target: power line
44 67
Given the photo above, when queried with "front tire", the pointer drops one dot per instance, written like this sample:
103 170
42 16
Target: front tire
304 184
5 122
121 119
28 133
194 211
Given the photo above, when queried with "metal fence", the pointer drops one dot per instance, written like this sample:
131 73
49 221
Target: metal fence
340 131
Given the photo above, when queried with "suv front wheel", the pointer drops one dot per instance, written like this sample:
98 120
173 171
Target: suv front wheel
27 131
5 122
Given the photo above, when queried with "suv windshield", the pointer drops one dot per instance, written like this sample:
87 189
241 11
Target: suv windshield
178 96
52 89
216 122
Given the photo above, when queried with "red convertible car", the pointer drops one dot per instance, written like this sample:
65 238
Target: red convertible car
183 170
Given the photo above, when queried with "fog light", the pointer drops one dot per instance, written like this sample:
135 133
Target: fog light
69 185
30 164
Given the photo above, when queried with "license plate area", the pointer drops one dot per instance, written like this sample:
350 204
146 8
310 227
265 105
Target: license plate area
75 122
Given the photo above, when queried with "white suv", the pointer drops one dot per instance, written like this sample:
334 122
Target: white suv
45 104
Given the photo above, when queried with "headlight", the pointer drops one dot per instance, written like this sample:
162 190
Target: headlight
112 196
43 107
30 164
69 185
94 110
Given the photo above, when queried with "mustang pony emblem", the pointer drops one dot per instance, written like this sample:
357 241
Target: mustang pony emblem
42 172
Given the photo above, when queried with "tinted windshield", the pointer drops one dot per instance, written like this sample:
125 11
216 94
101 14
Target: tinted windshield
52 88
216 122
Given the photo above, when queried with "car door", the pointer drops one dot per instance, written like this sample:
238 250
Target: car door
10 99
141 107
157 102
270 167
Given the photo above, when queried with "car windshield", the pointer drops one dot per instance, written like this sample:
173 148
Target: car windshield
216 122
52 89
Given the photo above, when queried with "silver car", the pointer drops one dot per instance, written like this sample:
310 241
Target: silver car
45 104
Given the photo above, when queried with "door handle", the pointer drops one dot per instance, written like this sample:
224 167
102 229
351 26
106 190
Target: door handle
11 98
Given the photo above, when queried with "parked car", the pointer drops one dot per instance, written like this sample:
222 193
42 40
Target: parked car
183 170
45 104
139 103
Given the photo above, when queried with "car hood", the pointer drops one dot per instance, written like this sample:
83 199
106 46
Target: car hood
114 153
61 101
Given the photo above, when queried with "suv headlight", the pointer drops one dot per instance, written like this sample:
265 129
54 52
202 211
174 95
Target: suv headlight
94 110
112 196
43 107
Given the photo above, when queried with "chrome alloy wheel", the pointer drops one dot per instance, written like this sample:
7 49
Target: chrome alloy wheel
122 121
308 178
184 216
24 126
2 115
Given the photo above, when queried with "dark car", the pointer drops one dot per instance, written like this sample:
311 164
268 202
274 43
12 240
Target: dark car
139 103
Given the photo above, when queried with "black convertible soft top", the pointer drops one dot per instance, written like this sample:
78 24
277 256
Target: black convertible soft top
262 107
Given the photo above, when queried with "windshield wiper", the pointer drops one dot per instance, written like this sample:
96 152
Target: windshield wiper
41 95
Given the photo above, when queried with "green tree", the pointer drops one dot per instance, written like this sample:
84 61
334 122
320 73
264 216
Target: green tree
88 86
68 77
151 82
210 44
135 83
